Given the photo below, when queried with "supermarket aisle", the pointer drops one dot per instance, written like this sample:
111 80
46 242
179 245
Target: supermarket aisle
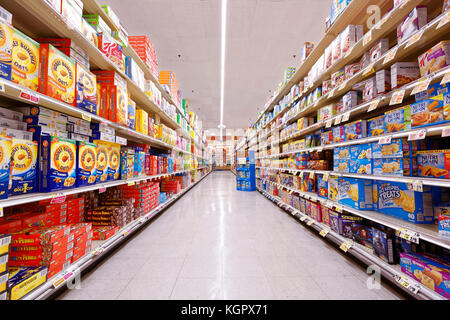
217 243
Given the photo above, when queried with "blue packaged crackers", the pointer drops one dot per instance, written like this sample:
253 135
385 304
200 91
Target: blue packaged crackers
86 164
375 126
5 163
427 112
24 155
433 90
355 193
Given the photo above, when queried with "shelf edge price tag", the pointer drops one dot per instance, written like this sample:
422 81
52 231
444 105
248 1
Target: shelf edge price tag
86 117
446 132
446 78
417 135
422 86
397 97
102 189
338 119
310 222
58 198
339 208
418 186
2 87
346 116
345 246
367 38
302 218
385 140
444 20
416 37
373 105
390 55
132 183
324 232
325 177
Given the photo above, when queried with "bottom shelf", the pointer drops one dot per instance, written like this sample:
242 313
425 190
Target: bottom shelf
363 254
100 249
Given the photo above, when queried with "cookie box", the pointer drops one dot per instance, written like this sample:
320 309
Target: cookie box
388 166
375 126
361 151
398 119
430 273
398 199
24 154
86 164
361 166
25 61
6 44
355 130
434 163
390 150
435 58
427 112
5 165
355 193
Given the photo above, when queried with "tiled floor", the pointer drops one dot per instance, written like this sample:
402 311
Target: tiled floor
217 243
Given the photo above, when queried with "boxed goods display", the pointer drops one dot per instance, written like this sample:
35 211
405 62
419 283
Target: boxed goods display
351 70
86 164
349 101
433 90
326 112
306 50
355 130
375 126
434 163
384 245
415 21
25 61
355 193
361 166
383 79
23 280
338 78
427 112
370 89
398 119
379 49
5 50
388 166
403 73
435 59
72 11
333 187
24 174
86 90
350 36
338 134
390 150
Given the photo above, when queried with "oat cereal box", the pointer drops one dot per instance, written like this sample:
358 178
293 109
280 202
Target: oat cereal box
401 201
102 167
86 164
6 39
435 59
355 193
86 90
5 163
398 119
114 161
25 61
427 112
59 163
434 164
24 155
355 130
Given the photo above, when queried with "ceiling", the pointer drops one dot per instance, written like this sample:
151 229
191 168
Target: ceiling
262 38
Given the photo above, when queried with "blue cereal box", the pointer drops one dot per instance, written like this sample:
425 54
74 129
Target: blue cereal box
341 166
398 199
388 166
6 45
342 153
355 130
434 163
375 126
58 159
361 166
390 150
322 187
131 123
24 155
338 134
334 220
355 193
86 163
5 162
398 119
361 151
333 184
427 112
447 106
432 91
86 90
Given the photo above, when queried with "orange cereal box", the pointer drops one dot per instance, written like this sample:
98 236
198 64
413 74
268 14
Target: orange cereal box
25 61
56 74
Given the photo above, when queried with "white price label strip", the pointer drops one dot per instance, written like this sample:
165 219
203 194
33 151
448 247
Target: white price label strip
303 218
416 37
385 140
338 119
346 245
373 105
324 232
446 132
329 123
86 117
422 86
390 55
444 20
403 281
397 97
417 135
2 87
346 116
310 222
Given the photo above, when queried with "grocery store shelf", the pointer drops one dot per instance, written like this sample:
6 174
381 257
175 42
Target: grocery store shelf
33 197
56 283
390 272
425 232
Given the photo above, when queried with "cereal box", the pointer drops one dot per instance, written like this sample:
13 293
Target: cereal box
355 193
432 91
350 36
375 126
355 130
142 121
398 199
341 166
322 187
342 153
338 78
390 150
56 74
403 73
326 138
5 163
361 151
86 164
388 166
379 49
114 161
6 39
327 112
351 70
349 101
361 166
398 119
427 112
24 173
118 103
86 90
131 123
58 160
333 185
434 163
447 106
416 19
338 134
435 59
25 61
370 89
102 167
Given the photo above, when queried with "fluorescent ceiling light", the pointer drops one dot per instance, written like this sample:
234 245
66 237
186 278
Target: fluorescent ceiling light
223 58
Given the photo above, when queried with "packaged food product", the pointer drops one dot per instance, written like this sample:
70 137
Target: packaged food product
118 103
333 187
86 89
338 78
114 161
435 89
326 112
86 164
349 101
131 123
306 50
416 20
72 11
142 121
336 49
435 59
379 49
24 173
89 33
360 151
341 166
23 280
388 166
355 130
403 73
6 44
361 166
398 119
350 36
376 126
351 70
383 78
384 245
328 57
112 50
427 112
338 134
326 138
25 61
434 163
370 89
446 106
5 163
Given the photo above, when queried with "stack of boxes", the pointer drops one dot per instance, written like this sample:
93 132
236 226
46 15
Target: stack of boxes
144 48
82 240
5 245
167 78
171 186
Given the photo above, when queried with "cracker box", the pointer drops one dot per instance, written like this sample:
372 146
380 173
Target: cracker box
375 126
25 61
58 160
24 280
361 166
355 193
86 90
432 91
56 74
388 166
403 73
6 40
5 163
102 167
86 164
338 134
355 130
390 150
427 112
434 164
398 119
24 154
398 199
361 151
435 59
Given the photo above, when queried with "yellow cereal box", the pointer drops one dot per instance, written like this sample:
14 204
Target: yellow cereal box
114 161
56 74
25 61
108 154
24 173
102 160
6 38
142 121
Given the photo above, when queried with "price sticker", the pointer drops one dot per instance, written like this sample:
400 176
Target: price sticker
303 218
422 86
294 212
102 190
1 212
329 204
339 208
338 119
390 55
446 132
311 175
328 124
444 20
417 135
415 38
310 222
132 183
58 282
369 70
142 219
346 116
290 191
58 198
367 38
397 97
2 87
418 186
324 232
385 140
446 78
373 105
331 93
346 245
86 117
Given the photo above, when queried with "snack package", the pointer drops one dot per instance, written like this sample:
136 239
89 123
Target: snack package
433 90
5 163
361 166
338 78
383 79
370 89
447 106
403 73
24 175
336 49
350 36
427 112
376 126
435 58
25 61
306 50
338 134
398 119
361 151
333 187
416 20
384 245
342 166
326 112
86 90
349 101
388 167
379 49
434 163
355 130
351 70
390 150
342 153
322 187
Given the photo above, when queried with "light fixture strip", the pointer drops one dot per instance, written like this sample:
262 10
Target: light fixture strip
223 58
